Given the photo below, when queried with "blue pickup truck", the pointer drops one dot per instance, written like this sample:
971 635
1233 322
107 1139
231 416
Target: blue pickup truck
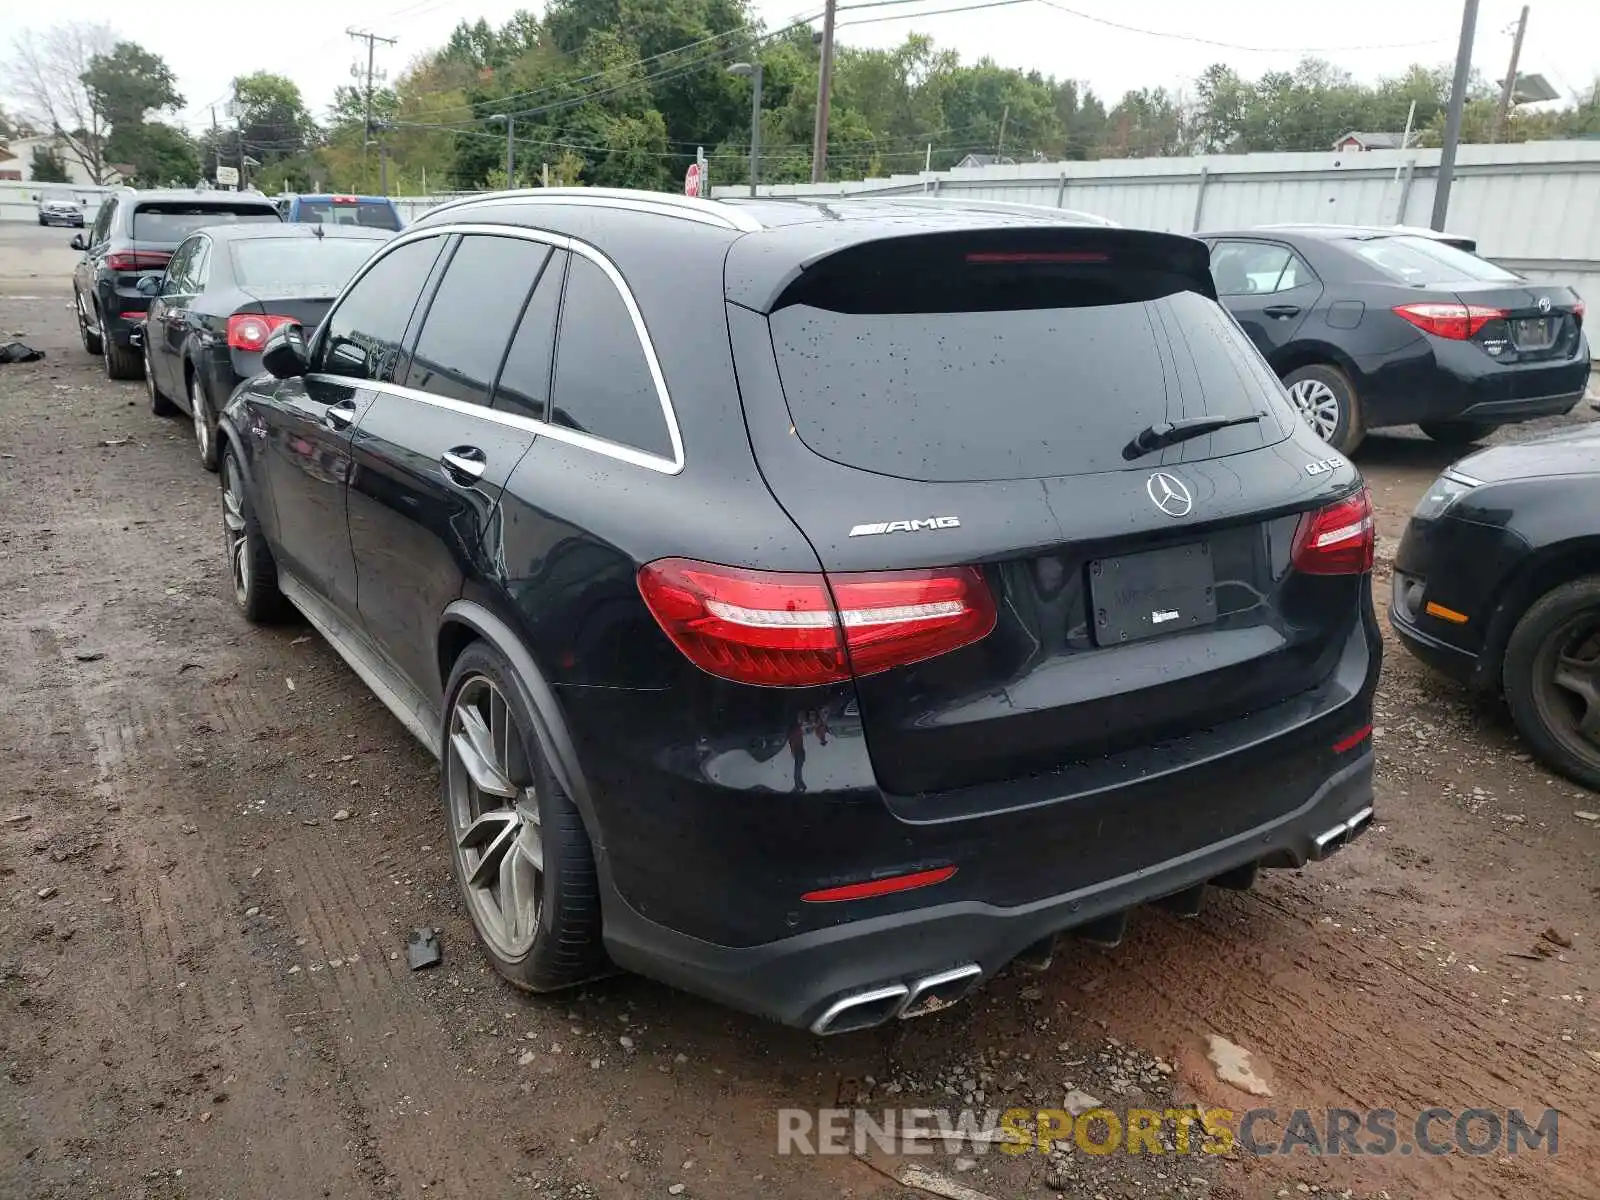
369 212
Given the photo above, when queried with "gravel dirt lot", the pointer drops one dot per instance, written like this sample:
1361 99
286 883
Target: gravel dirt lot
213 842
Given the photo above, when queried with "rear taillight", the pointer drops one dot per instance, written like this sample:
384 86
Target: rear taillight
137 260
1457 322
782 629
1338 539
249 331
1579 308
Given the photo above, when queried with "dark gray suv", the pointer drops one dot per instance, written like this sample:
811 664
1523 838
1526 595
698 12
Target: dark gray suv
134 234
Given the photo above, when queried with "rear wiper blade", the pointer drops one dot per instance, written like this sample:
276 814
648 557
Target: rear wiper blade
1157 437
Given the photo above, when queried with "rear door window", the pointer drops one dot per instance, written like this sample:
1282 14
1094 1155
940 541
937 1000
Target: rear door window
1011 366
363 335
1256 268
524 386
603 383
170 222
472 314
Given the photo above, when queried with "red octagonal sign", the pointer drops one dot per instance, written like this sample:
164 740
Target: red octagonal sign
691 180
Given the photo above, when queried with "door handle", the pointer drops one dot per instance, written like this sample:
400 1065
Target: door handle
1282 310
464 465
340 416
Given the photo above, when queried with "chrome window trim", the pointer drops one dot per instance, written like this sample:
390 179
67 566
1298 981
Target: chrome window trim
664 204
573 437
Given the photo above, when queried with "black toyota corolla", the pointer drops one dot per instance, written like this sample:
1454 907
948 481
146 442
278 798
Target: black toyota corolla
817 607
1497 584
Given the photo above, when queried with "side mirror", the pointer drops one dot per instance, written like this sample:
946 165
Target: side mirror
148 285
284 355
77 242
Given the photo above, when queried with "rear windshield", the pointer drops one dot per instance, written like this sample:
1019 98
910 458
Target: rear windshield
300 263
1051 370
172 221
1418 261
370 214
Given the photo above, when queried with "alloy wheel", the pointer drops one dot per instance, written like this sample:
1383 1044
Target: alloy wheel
235 533
197 406
494 815
1318 406
1567 683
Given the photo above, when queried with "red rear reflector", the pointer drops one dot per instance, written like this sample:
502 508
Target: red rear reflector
249 331
137 260
1457 322
134 316
880 887
791 629
1038 256
1354 740
1338 539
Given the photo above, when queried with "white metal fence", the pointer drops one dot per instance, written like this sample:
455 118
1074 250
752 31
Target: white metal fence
1533 207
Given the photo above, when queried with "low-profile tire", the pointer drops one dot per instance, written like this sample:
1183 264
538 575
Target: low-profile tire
160 405
1456 433
1327 402
91 338
205 420
251 571
122 362
522 857
1551 676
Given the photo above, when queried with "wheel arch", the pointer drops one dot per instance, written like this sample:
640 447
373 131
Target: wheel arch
1542 571
1316 354
467 621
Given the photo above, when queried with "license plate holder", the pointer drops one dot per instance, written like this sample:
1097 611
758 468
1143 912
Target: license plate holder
1153 592
1533 333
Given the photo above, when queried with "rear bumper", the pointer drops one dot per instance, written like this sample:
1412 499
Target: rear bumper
1504 411
799 979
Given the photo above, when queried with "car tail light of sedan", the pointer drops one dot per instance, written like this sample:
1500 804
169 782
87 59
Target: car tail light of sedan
1458 322
793 629
249 331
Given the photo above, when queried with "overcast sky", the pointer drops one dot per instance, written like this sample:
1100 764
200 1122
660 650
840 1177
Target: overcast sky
207 44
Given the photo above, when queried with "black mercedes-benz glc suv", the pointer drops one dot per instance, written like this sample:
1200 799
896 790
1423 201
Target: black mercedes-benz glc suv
817 606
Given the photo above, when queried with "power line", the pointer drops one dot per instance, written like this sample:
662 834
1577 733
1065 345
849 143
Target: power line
934 12
1187 37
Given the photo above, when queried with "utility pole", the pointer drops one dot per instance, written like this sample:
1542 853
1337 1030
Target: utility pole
372 40
819 139
510 118
216 143
1000 145
1509 87
1452 120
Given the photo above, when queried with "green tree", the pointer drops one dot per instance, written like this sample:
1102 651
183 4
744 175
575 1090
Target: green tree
47 166
128 83
161 155
272 118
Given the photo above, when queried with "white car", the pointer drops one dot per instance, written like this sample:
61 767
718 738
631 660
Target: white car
59 208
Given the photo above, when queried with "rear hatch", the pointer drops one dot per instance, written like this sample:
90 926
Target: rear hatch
969 399
158 226
367 212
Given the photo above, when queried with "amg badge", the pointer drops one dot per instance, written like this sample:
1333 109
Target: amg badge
905 526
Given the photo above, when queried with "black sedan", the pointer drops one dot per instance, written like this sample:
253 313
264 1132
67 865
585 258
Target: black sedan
1375 327
1497 583
226 288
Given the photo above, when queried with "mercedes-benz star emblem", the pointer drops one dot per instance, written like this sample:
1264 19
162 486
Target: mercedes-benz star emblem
1169 494
1544 304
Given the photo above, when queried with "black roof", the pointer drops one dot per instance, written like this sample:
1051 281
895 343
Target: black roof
1332 232
766 242
286 229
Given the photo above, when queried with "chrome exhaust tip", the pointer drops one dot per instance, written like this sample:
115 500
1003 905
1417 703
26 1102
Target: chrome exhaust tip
1326 842
940 991
1357 825
862 1010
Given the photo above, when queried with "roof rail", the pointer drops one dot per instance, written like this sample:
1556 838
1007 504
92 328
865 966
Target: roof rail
1069 215
669 204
